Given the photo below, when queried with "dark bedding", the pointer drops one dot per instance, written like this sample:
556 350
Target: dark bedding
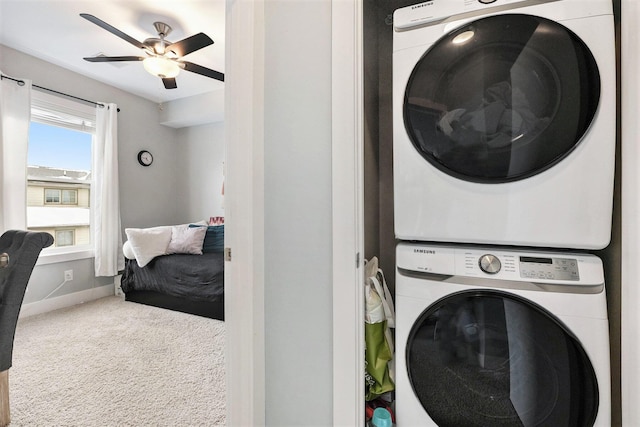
191 277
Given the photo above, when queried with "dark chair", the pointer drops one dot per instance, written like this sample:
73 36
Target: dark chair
19 251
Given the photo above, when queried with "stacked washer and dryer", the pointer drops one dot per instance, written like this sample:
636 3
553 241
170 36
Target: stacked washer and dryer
504 154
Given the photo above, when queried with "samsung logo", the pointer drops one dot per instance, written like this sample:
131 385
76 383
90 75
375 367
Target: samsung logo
418 6
424 251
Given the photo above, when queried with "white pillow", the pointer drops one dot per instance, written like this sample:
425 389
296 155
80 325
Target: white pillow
186 240
148 243
127 250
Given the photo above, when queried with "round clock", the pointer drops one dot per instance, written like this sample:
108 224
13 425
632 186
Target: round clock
145 158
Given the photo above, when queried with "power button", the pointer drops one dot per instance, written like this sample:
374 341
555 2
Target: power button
490 264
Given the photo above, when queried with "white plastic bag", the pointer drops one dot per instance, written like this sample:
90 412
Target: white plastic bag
376 286
379 304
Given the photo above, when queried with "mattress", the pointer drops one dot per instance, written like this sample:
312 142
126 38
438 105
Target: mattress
194 277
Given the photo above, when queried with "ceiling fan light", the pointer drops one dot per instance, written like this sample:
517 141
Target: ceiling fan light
161 67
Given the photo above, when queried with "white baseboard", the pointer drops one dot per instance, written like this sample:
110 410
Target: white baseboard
64 301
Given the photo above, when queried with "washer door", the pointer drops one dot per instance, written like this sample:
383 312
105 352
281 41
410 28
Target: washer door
488 358
502 98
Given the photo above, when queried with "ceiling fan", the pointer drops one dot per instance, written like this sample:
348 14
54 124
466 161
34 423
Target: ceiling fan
163 58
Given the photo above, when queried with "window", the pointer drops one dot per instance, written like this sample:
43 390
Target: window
65 237
69 197
59 170
53 196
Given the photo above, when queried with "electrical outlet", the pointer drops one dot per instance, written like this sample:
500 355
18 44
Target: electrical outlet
68 275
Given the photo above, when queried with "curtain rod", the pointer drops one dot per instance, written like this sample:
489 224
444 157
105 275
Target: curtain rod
21 83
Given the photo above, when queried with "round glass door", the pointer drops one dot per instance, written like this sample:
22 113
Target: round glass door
487 358
502 98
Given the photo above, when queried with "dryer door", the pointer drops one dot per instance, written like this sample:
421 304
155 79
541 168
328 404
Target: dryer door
502 98
488 358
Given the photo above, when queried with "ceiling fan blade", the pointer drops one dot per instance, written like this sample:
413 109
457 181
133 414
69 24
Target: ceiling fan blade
190 44
113 58
169 83
199 69
112 30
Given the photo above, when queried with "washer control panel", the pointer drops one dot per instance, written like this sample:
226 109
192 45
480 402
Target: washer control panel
490 264
530 267
527 267
501 264
549 268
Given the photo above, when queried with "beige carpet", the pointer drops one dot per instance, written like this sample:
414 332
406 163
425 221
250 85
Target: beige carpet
115 363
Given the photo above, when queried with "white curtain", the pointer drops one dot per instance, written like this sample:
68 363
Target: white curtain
630 213
15 115
105 197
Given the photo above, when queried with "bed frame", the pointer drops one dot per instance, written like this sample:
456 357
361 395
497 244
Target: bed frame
212 310
188 283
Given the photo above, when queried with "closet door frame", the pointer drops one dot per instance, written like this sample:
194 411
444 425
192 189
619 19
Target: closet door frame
348 212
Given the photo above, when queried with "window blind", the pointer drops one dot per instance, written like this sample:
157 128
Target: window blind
56 111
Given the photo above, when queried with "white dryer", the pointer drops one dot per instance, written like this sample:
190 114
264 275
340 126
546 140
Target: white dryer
504 122
487 336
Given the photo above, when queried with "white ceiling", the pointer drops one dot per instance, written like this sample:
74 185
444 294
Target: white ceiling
54 31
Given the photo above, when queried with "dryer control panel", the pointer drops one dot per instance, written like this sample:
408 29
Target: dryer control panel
433 11
501 264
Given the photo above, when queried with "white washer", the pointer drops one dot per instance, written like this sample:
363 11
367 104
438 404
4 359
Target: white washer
504 122
487 336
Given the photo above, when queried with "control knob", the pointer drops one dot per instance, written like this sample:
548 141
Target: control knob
489 264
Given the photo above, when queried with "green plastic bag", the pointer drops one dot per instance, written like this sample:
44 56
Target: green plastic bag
377 357
379 318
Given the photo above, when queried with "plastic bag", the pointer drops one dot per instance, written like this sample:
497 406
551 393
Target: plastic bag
379 318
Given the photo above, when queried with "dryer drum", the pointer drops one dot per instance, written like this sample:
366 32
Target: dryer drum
490 358
510 100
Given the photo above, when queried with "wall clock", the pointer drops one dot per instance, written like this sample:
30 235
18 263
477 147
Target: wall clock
145 158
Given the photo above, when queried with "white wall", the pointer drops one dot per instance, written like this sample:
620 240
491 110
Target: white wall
201 149
630 65
297 222
194 111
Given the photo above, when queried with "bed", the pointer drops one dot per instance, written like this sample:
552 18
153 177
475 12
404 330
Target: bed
190 281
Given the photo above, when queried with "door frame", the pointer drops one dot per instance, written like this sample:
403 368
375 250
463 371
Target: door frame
630 343
244 212
347 111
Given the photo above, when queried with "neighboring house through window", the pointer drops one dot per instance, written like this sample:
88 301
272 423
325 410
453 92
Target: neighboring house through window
65 237
57 196
59 169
